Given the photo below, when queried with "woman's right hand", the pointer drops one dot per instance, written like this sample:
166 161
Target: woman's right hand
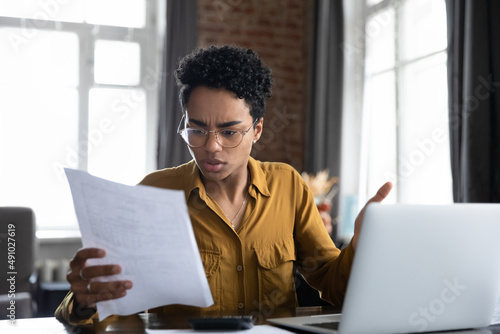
88 292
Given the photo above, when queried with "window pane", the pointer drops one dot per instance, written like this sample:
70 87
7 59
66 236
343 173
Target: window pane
38 138
123 13
117 134
380 41
38 122
65 11
45 57
424 159
117 63
380 131
423 28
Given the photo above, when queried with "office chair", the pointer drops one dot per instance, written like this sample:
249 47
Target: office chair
17 239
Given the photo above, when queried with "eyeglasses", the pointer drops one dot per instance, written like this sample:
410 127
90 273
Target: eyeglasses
196 137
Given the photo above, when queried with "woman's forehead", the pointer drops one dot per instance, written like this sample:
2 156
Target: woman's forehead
216 105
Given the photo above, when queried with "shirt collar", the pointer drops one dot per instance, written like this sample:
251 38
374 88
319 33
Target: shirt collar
258 180
193 179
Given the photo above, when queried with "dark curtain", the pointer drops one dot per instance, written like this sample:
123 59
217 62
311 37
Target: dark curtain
180 39
325 112
474 98
325 115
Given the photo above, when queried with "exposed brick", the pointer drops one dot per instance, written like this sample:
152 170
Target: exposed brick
280 32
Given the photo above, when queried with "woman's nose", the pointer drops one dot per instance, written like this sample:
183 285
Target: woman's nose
212 143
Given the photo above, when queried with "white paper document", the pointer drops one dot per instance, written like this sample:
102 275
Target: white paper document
147 231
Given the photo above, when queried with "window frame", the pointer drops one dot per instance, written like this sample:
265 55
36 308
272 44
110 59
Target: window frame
150 39
354 191
398 69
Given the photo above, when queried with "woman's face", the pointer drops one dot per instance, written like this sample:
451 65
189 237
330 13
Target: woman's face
214 109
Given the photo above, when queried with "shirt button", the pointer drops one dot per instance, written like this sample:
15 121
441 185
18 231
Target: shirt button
239 268
240 305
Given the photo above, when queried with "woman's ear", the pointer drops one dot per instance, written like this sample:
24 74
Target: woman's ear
259 127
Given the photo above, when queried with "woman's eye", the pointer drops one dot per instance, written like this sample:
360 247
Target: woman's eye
227 133
197 132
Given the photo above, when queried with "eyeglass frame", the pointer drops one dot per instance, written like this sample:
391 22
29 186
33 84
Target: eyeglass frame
216 132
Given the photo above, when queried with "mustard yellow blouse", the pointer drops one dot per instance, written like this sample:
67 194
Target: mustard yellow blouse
252 268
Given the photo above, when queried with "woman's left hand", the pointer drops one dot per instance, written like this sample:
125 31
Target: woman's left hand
379 197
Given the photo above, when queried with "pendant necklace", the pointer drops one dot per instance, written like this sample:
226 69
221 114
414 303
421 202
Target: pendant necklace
241 207
237 213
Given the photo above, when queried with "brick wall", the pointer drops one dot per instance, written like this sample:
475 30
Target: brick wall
280 31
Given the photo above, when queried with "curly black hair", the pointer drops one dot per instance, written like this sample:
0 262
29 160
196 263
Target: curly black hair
234 68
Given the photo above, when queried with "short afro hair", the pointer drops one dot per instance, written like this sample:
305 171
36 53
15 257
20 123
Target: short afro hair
233 68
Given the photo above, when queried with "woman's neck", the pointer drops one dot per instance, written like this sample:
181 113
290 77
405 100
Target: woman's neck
231 189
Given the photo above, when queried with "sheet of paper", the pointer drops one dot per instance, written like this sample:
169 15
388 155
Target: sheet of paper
259 329
147 231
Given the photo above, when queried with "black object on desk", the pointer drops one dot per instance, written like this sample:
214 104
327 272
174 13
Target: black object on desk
49 296
223 323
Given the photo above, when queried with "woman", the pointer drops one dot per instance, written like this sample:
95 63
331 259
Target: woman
252 220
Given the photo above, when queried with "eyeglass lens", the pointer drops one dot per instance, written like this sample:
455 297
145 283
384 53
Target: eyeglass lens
225 137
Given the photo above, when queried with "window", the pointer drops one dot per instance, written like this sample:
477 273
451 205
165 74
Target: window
78 89
405 124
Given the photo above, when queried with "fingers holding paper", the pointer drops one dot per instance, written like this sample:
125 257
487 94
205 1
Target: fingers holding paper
87 291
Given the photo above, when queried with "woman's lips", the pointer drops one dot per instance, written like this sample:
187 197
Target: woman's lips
213 165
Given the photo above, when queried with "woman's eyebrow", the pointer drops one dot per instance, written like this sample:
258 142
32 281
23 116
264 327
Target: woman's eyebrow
228 124
220 125
196 122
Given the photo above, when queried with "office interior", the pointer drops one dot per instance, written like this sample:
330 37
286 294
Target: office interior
364 92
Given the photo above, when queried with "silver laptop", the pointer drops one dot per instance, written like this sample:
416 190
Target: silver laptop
419 268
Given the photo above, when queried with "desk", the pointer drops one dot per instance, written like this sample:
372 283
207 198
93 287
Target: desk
138 323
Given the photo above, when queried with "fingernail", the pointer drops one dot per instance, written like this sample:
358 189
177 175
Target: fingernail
101 252
128 285
116 270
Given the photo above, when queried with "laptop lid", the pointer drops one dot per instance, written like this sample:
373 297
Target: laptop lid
423 268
